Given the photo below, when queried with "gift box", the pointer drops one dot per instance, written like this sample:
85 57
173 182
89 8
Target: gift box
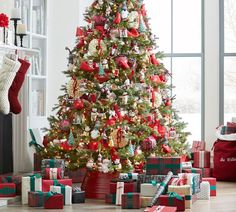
119 191
162 165
132 176
160 208
128 187
193 180
204 193
195 171
110 198
149 189
47 183
131 201
145 201
206 172
30 183
212 182
52 163
194 198
36 198
7 190
201 159
187 165
172 199
184 190
53 201
53 173
78 196
78 175
12 179
198 146
65 190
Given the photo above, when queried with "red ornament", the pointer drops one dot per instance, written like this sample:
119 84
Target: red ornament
80 44
93 97
110 122
46 141
168 102
4 20
84 66
122 61
117 19
143 10
65 146
79 32
166 148
65 125
153 60
78 104
102 78
99 20
133 33
148 144
156 79
114 154
161 130
93 145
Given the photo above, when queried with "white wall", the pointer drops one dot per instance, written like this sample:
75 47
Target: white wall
6 6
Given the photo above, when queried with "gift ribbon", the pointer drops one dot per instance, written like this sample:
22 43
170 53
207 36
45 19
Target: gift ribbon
32 181
212 187
130 203
33 142
153 182
40 198
63 191
52 163
50 194
188 197
7 190
175 195
55 182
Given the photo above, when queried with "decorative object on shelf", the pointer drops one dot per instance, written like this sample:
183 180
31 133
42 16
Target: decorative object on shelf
15 17
4 22
21 32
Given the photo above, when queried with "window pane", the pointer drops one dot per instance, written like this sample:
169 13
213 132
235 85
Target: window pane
230 88
187 83
160 13
230 26
187 26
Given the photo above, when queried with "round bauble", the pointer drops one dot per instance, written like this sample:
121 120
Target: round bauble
96 47
78 104
148 144
65 125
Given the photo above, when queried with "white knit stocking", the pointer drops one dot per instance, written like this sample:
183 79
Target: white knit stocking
7 74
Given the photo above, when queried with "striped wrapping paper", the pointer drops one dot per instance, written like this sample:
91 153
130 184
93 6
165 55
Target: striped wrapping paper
12 179
7 190
162 165
36 198
201 159
206 172
131 201
212 182
184 190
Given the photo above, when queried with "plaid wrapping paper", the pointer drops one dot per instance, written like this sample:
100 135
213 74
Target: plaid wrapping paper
65 190
162 165
184 190
198 146
133 176
78 175
53 201
201 159
204 194
160 208
195 171
149 189
36 198
128 187
78 197
131 201
52 163
12 179
145 201
206 172
166 200
110 199
7 190
212 182
47 183
193 180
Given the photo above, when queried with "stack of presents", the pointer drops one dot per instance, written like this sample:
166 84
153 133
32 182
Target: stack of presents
167 184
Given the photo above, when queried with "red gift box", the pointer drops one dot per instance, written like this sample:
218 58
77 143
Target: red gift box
47 183
161 209
212 182
56 201
129 187
7 190
167 200
36 198
198 146
201 159
206 172
194 170
12 179
49 173
131 201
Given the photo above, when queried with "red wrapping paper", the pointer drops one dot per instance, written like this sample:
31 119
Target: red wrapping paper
165 200
56 176
7 190
47 183
201 159
12 179
54 202
212 182
206 172
129 187
198 146
161 209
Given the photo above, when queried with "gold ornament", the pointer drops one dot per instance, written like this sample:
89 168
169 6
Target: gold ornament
118 138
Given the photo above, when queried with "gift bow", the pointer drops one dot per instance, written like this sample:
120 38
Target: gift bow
175 195
50 194
153 182
33 142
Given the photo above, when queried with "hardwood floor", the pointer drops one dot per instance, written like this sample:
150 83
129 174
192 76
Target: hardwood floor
225 201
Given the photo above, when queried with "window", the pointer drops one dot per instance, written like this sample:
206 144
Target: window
179 26
227 60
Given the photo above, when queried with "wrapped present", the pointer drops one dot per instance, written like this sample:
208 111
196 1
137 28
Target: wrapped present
52 163
119 191
145 201
53 173
78 196
198 146
53 201
184 190
212 182
37 162
131 201
78 175
129 186
204 193
133 176
36 198
201 159
149 189
47 183
162 165
194 198
193 180
110 199
206 172
30 183
195 171
65 190
160 208
187 165
7 190
172 199
12 179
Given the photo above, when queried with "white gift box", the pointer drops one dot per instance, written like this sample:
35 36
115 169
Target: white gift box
148 189
133 176
67 193
30 183
120 186
204 194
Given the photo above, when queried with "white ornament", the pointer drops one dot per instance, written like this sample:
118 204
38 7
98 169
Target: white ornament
94 134
124 14
133 20
105 165
94 114
100 2
158 99
90 164
93 48
87 129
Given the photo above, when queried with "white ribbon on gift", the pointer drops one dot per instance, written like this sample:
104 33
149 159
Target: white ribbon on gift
120 186
201 159
68 193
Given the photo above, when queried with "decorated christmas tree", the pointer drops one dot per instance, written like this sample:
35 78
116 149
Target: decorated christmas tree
116 109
